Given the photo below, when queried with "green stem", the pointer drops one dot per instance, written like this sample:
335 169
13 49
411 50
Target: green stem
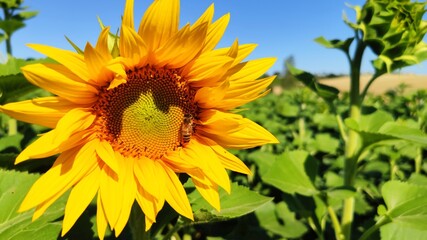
351 148
335 223
301 126
392 168
316 227
8 16
341 127
13 127
137 224
366 88
382 221
418 160
172 231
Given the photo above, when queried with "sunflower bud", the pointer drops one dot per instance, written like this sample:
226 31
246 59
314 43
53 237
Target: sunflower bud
394 30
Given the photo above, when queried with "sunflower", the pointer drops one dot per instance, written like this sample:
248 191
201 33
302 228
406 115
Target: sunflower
127 120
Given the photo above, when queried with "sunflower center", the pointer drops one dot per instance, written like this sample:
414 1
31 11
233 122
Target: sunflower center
144 116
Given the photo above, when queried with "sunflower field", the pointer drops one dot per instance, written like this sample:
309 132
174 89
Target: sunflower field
138 138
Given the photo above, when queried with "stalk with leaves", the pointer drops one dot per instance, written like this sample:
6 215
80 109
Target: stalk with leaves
394 31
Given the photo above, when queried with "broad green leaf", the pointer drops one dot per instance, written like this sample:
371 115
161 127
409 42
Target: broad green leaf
278 219
379 126
13 225
325 120
13 141
11 25
14 87
241 201
13 65
28 14
293 172
409 206
394 231
264 160
286 109
403 132
335 43
10 3
326 92
325 143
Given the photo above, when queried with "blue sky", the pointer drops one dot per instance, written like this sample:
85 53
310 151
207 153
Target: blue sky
281 28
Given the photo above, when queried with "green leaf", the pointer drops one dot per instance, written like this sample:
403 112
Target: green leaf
279 220
13 225
409 206
27 14
9 26
239 202
403 132
78 50
325 143
264 160
379 127
287 109
394 231
13 65
10 3
326 92
293 172
14 87
335 43
13 141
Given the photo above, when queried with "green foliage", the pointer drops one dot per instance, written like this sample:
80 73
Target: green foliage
13 225
394 30
13 20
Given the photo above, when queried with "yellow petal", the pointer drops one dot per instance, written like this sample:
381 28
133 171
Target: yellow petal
147 203
40 209
76 120
80 197
45 146
209 193
228 160
182 47
128 190
132 46
159 23
207 70
175 194
206 17
215 32
209 97
102 44
208 162
217 118
57 79
250 70
147 173
73 61
106 153
247 134
242 52
109 187
241 92
68 169
101 218
128 15
43 111
96 62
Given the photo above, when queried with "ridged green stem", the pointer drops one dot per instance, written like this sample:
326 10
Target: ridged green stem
352 145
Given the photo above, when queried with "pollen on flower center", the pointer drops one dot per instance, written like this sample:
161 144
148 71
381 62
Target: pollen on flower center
143 116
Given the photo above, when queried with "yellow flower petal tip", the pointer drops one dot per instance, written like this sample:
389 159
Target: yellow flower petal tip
127 117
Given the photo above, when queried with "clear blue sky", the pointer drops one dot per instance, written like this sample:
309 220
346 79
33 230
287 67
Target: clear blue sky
281 28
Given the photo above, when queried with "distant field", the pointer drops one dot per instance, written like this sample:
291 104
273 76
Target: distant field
383 83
